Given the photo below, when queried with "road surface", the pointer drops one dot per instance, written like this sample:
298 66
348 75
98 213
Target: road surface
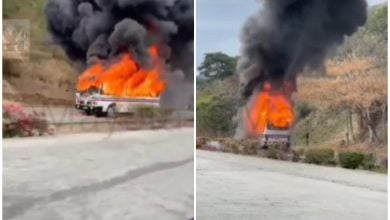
237 187
126 175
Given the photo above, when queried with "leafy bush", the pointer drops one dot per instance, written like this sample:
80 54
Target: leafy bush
200 142
214 114
165 112
230 145
351 160
320 156
297 155
16 122
369 162
147 111
250 146
273 153
384 162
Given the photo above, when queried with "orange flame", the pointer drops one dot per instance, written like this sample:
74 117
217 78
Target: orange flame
268 107
125 78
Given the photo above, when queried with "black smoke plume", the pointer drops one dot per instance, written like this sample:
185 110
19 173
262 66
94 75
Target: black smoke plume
90 30
286 36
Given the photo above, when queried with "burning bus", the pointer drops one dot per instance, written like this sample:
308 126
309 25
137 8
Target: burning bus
99 104
120 87
279 42
126 46
270 115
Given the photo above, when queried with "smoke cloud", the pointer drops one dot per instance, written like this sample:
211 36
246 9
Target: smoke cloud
91 30
286 36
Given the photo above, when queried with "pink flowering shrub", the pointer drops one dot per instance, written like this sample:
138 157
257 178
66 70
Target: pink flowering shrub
16 122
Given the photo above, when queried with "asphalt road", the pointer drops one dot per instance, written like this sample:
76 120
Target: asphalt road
238 187
126 175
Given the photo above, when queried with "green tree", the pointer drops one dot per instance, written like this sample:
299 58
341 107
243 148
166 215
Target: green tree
370 40
217 65
377 22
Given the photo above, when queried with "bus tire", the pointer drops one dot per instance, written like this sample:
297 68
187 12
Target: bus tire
111 111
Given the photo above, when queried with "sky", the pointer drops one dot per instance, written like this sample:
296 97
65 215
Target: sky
219 23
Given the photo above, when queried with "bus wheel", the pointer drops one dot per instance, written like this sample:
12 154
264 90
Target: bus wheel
88 112
111 112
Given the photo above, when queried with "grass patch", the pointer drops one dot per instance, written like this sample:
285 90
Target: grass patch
32 10
322 126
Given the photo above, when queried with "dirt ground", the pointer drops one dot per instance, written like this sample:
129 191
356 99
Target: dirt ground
41 81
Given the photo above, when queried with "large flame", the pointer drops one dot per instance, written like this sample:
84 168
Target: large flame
125 78
270 107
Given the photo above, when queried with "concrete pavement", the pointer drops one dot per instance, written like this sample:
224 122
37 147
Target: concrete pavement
239 187
124 175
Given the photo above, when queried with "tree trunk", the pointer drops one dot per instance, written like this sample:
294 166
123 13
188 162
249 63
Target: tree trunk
384 120
350 131
348 128
373 135
371 127
361 123
351 125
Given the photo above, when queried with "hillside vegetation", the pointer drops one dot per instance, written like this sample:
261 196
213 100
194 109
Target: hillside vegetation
46 77
342 106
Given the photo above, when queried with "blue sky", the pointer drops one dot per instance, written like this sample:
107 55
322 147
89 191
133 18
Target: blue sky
219 22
